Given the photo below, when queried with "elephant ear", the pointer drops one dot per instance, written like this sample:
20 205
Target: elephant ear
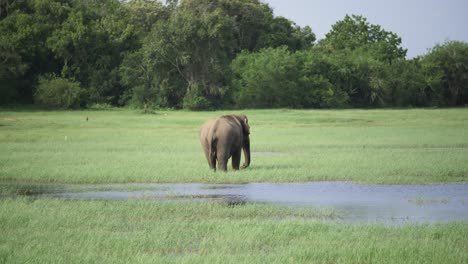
245 125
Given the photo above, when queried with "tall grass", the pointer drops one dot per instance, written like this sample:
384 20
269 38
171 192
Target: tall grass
371 146
57 231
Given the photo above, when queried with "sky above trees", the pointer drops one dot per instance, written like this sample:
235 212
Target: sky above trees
420 23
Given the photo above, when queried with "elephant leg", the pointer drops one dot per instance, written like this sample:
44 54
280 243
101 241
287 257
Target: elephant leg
222 162
207 155
222 165
236 158
212 162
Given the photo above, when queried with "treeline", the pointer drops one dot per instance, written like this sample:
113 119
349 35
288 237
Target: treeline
206 54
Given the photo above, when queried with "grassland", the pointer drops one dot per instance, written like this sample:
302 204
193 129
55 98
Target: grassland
57 231
369 146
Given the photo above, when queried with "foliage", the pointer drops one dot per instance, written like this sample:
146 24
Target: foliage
354 32
194 100
145 87
89 43
182 54
283 32
320 74
196 43
24 28
407 85
265 79
57 92
357 65
448 64
279 78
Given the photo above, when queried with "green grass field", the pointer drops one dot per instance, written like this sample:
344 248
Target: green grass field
57 231
368 146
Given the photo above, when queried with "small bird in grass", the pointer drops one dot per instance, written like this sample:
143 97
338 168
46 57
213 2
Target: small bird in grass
86 119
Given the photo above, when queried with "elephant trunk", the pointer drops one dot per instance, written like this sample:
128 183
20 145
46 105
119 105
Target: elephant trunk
246 149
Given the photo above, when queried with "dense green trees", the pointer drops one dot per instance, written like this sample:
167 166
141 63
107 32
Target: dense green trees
280 78
187 53
204 54
447 69
355 33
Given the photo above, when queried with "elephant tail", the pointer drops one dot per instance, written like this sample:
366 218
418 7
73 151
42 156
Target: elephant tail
212 154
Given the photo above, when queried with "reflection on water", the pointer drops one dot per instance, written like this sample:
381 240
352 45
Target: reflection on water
357 203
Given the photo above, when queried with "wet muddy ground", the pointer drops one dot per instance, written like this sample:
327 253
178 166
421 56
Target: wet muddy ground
354 203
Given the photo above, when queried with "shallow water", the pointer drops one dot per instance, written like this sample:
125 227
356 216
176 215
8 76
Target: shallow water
355 203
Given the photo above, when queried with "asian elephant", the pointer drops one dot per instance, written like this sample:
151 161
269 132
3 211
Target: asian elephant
224 137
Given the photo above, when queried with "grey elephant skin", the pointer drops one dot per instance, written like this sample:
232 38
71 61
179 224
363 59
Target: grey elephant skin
225 137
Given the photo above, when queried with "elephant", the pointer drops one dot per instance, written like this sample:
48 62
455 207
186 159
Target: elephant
224 137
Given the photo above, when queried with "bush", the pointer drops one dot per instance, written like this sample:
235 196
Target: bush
194 100
274 78
446 68
57 92
266 79
100 106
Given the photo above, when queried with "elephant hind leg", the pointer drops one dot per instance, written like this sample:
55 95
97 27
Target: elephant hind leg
212 161
207 155
236 158
222 165
212 156
222 161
